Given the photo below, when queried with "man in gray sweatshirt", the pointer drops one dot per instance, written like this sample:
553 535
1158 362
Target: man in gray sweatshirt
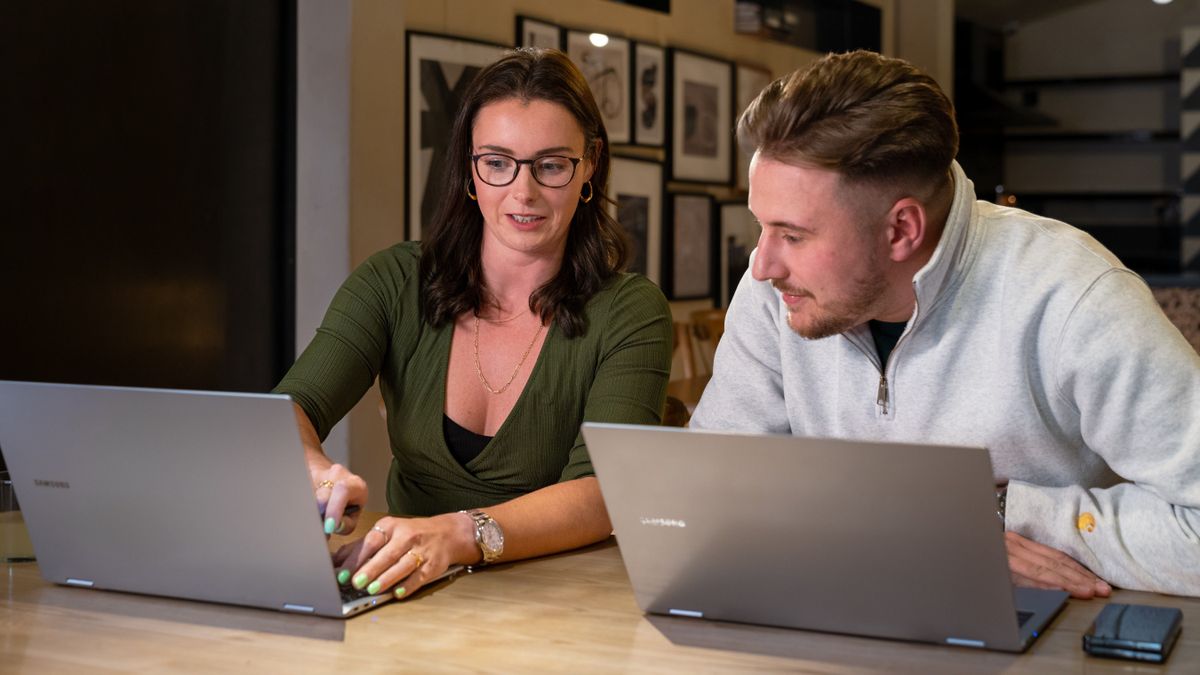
885 303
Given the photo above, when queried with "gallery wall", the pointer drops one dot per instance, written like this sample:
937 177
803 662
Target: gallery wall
377 112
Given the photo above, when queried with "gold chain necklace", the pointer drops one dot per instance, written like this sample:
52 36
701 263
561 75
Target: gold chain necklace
479 371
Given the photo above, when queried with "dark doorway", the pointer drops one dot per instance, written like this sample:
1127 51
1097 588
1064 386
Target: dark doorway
148 223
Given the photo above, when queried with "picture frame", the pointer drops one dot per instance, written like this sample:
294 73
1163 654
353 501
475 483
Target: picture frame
739 236
700 128
649 95
438 70
635 187
533 32
691 239
749 81
607 70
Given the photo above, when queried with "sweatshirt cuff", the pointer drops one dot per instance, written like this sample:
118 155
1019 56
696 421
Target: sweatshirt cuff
1052 516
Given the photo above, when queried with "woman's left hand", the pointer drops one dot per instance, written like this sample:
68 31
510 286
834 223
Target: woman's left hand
407 553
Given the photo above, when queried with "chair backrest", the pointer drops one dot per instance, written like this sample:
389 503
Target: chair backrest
1182 306
675 413
708 325
684 350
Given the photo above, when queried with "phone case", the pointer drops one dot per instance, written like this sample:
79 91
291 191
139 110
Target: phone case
1136 632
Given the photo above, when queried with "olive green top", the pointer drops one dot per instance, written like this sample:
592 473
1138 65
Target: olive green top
616 372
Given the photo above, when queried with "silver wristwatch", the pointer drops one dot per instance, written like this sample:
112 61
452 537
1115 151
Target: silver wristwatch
488 536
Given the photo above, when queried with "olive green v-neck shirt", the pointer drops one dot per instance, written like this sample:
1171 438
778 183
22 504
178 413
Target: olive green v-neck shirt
616 372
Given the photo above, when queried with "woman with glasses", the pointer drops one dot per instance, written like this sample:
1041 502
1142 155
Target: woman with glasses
492 341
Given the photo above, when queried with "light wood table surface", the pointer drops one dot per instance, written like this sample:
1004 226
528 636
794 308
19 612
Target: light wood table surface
572 612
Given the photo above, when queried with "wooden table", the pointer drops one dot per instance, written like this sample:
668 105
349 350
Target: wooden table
571 612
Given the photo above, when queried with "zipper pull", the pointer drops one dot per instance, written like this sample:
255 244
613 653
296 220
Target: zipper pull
882 399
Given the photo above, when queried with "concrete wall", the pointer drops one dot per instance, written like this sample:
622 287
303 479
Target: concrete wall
322 171
924 36
1106 37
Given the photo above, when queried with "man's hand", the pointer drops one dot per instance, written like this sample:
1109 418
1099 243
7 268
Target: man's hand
1036 565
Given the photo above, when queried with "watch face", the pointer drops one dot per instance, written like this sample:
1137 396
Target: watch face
491 536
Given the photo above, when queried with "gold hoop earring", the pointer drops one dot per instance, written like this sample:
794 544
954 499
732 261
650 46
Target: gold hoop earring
591 193
470 184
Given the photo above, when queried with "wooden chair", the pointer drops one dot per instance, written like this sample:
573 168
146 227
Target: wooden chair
675 413
683 350
708 325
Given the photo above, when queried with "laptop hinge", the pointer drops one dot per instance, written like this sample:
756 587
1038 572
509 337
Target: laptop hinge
304 609
686 612
962 642
82 583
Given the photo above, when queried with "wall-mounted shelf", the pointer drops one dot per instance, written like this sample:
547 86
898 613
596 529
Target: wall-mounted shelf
1092 194
1132 78
1132 136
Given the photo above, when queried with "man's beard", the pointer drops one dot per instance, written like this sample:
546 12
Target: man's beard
841 316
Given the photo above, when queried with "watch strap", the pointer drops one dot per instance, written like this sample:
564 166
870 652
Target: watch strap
482 520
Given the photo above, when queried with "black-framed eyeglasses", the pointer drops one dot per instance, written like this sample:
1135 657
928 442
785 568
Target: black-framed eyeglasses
552 171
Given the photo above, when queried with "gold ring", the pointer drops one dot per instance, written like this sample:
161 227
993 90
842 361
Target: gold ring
417 556
325 483
386 537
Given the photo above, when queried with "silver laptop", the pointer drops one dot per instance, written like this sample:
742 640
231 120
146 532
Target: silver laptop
186 494
877 539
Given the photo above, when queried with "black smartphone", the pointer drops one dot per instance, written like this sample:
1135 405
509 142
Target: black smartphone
1137 632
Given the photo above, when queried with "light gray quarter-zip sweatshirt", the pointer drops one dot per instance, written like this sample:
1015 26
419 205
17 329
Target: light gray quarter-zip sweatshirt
1030 339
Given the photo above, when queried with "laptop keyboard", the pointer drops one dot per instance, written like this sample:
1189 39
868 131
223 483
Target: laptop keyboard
1022 617
350 593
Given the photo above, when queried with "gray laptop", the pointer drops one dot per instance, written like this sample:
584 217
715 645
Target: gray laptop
186 494
884 540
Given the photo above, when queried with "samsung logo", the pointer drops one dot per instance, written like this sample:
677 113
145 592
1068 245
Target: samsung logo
52 483
663 522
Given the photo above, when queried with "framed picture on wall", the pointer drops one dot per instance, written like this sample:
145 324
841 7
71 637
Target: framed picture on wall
605 64
440 67
701 119
691 246
649 95
537 33
636 188
739 236
750 81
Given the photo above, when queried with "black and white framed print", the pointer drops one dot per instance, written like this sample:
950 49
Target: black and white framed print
649 95
690 261
636 188
604 61
701 126
750 81
739 236
440 68
537 33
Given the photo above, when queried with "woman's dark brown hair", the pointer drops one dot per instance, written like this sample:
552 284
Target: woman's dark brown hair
596 250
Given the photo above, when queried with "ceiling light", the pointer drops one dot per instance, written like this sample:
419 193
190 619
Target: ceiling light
600 39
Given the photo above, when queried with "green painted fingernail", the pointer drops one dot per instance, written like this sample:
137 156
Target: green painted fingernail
343 577
360 580
399 592
373 588
329 525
